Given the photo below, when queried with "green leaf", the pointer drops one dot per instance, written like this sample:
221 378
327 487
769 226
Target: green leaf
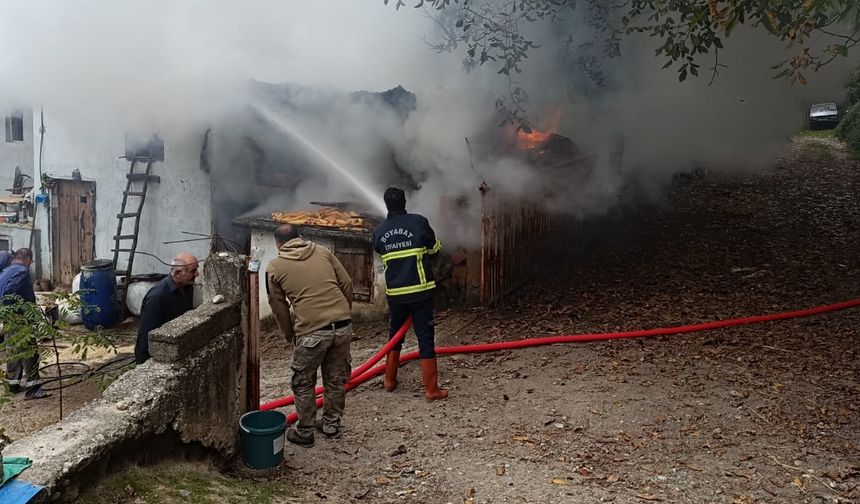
784 73
730 25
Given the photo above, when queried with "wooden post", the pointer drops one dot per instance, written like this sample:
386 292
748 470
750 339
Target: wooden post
254 340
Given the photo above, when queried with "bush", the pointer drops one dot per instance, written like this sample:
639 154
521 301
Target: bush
852 89
849 129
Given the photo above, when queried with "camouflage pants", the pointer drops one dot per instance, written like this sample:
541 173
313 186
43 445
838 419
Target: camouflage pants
327 350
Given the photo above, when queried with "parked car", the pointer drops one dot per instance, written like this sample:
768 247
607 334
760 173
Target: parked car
823 116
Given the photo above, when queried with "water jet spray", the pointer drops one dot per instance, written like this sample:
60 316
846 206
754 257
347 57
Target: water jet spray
287 129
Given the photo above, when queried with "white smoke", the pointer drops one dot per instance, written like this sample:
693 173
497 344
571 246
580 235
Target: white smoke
177 67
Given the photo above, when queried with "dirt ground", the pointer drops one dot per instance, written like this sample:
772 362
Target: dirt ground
20 417
754 414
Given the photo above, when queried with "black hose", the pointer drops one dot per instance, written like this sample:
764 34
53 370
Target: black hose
85 372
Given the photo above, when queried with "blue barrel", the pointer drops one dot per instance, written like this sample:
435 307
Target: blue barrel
263 438
98 293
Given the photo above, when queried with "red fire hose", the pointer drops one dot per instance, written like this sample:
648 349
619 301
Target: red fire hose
357 372
364 372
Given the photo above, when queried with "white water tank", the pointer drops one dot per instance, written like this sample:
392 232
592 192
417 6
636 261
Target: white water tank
134 298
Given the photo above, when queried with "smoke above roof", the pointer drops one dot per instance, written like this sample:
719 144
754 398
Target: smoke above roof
178 67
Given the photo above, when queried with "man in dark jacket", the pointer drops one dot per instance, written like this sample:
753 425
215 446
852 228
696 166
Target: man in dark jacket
15 281
166 300
407 244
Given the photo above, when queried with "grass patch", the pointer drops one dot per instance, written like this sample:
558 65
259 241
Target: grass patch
182 483
818 151
829 133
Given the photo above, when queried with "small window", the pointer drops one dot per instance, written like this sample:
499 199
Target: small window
137 147
15 127
6 243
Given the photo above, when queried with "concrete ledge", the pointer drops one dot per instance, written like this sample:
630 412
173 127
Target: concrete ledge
224 273
134 405
191 331
213 393
198 400
191 393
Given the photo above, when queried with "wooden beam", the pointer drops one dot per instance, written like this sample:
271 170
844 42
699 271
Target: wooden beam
254 340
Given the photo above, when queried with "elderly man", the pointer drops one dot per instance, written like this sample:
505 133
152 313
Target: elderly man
311 280
166 300
15 282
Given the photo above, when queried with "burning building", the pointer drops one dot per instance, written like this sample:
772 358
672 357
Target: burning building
229 184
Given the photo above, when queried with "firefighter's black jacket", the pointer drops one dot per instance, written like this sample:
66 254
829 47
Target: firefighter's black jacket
406 244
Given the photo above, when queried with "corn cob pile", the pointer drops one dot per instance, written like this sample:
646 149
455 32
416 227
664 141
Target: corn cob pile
324 217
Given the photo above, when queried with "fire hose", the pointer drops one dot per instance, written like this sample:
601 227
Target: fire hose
366 371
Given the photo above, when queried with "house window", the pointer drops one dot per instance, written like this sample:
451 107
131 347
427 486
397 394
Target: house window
143 148
15 127
6 243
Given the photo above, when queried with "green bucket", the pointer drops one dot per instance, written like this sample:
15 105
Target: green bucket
263 438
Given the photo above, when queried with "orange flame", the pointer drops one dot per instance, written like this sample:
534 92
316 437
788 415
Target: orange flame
532 140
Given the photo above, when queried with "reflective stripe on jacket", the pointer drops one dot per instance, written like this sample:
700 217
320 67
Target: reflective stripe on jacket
406 244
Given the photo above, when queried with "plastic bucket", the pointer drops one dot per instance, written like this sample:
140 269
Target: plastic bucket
263 438
98 286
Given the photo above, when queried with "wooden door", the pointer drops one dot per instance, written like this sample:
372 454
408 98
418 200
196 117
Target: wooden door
357 260
73 222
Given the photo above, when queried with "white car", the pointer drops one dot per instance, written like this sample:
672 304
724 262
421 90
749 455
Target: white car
823 116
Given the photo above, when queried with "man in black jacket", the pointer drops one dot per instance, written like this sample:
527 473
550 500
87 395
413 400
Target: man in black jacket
407 244
166 300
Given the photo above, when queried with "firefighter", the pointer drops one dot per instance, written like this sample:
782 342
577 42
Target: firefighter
406 243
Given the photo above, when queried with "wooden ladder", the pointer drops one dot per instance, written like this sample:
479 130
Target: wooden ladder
136 186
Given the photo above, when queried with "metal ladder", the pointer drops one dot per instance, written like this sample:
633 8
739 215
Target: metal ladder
136 186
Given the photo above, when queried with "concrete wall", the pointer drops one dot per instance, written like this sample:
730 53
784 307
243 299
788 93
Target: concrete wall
19 154
180 202
193 390
360 311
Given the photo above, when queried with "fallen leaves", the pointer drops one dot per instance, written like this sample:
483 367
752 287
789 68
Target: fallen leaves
469 497
648 497
523 439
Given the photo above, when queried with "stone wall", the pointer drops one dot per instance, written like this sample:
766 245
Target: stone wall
193 391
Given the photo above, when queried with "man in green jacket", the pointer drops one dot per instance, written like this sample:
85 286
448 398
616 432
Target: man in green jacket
308 280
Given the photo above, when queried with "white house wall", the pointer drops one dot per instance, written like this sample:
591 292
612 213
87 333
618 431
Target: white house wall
14 154
180 202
